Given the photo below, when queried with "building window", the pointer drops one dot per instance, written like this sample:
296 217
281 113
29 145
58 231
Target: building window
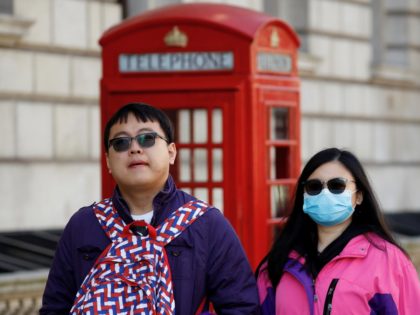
6 7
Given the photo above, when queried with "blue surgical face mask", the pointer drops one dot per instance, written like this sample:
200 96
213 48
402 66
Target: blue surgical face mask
328 209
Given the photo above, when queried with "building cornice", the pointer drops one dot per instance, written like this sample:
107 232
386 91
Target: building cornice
13 28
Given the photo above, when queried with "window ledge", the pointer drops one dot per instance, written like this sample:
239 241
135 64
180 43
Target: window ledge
12 29
307 63
393 74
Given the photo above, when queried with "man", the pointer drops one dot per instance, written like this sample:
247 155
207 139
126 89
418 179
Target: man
206 260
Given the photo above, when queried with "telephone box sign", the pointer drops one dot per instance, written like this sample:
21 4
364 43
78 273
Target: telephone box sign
180 61
274 62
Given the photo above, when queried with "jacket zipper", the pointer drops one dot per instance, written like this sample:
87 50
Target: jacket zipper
328 299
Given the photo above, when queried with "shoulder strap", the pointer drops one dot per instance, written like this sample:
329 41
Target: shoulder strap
179 220
175 224
110 220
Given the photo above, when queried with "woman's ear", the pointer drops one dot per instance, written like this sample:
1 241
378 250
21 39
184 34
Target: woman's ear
359 198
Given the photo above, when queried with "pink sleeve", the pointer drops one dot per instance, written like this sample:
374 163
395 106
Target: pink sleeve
409 290
263 283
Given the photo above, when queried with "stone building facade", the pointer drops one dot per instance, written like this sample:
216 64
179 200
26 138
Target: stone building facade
360 68
359 64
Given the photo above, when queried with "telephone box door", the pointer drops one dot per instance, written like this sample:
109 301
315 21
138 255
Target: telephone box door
203 145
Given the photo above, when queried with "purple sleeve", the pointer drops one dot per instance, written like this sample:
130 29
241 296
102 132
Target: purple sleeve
60 289
231 285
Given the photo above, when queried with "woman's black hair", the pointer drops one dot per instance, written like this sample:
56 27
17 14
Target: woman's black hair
300 232
143 112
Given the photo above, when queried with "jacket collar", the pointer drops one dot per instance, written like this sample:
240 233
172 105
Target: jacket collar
357 247
159 202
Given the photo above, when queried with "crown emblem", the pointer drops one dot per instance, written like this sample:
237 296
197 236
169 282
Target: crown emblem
274 38
176 38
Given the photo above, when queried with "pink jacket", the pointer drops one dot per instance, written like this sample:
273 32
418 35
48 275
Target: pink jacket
370 276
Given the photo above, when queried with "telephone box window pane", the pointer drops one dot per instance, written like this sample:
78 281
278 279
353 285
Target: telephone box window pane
185 165
217 131
279 123
279 162
184 127
202 193
218 198
217 165
200 165
200 125
187 190
279 197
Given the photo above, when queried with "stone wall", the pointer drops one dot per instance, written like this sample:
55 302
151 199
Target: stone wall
49 86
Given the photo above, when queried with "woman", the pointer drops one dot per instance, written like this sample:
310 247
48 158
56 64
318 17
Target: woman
335 254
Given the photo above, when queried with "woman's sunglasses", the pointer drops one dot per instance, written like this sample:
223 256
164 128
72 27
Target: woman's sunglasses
145 140
335 185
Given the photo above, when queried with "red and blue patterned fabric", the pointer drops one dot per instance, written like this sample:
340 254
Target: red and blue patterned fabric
132 275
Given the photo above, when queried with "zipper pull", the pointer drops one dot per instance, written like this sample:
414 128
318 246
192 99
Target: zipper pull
315 295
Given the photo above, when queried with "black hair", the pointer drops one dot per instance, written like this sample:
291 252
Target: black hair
143 112
300 232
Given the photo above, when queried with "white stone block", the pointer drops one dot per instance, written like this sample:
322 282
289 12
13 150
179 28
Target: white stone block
250 4
52 73
95 133
407 143
362 134
382 141
352 99
321 47
40 12
112 15
71 131
86 75
70 23
16 71
343 134
322 134
44 195
7 129
362 60
94 24
413 105
333 98
376 101
331 12
350 18
366 99
342 59
365 19
34 130
306 138
311 96
315 14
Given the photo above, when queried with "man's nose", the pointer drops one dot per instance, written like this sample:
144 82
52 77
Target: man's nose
135 147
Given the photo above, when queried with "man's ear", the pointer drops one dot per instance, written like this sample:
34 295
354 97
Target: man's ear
172 153
107 163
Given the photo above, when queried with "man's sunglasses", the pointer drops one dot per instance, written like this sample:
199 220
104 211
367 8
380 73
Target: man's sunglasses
335 185
145 140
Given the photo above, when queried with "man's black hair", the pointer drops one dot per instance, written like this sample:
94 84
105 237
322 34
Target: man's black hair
143 112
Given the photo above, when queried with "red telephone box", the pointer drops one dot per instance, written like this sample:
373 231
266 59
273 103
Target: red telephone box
227 77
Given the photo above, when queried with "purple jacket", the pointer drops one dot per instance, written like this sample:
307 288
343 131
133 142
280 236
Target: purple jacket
206 260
